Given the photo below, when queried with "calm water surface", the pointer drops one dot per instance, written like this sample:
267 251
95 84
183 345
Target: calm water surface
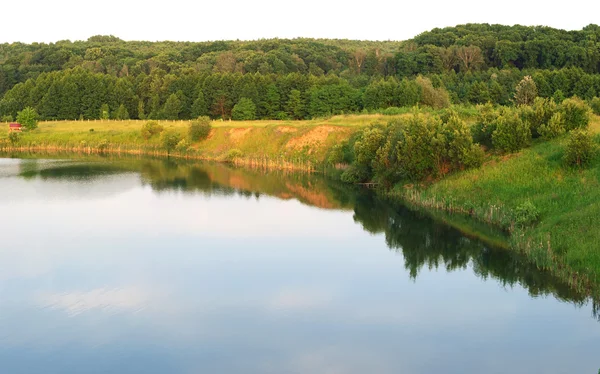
146 266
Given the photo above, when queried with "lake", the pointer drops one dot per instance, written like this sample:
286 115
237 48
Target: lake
155 266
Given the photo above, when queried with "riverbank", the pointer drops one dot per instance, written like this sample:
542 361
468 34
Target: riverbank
564 241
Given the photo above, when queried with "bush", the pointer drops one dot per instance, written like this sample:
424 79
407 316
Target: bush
554 128
233 154
103 145
7 118
595 105
526 214
355 174
28 117
336 155
199 129
538 114
151 128
182 146
244 110
486 124
169 140
576 113
581 149
512 133
14 137
460 150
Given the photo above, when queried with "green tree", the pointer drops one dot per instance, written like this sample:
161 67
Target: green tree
28 117
151 128
576 113
141 113
199 107
244 110
122 113
295 105
172 107
526 91
104 112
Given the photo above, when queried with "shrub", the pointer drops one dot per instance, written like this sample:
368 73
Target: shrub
460 150
182 146
233 154
14 137
512 133
576 113
595 105
581 149
28 117
538 114
336 155
169 140
199 129
7 118
91 130
421 149
151 128
526 214
244 110
554 128
103 145
486 124
355 174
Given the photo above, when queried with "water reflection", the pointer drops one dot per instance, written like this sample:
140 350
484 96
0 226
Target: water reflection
425 243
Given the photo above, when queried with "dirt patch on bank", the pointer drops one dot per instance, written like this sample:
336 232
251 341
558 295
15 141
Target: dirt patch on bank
314 137
236 135
285 129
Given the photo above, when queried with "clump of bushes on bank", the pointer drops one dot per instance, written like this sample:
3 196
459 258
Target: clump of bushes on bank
409 150
151 128
199 129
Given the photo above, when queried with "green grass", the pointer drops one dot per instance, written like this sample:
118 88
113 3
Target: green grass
566 239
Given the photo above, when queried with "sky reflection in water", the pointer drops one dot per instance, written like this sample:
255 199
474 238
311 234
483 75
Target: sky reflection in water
155 267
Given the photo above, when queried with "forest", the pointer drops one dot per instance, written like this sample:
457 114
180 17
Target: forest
106 77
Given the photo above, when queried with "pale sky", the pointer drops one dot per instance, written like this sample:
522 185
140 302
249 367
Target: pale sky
49 21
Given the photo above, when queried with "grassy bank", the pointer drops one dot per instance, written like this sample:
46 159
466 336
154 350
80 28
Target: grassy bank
273 144
565 240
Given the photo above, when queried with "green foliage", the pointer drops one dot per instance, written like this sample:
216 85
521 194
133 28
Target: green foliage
151 128
199 129
103 145
526 91
420 150
436 98
182 146
336 155
173 107
244 110
28 117
122 113
6 118
581 149
512 133
526 214
595 105
576 113
170 139
14 137
486 124
460 150
538 114
233 154
104 112
355 174
295 105
554 128
199 107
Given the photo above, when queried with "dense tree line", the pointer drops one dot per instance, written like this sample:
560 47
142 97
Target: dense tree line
105 77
